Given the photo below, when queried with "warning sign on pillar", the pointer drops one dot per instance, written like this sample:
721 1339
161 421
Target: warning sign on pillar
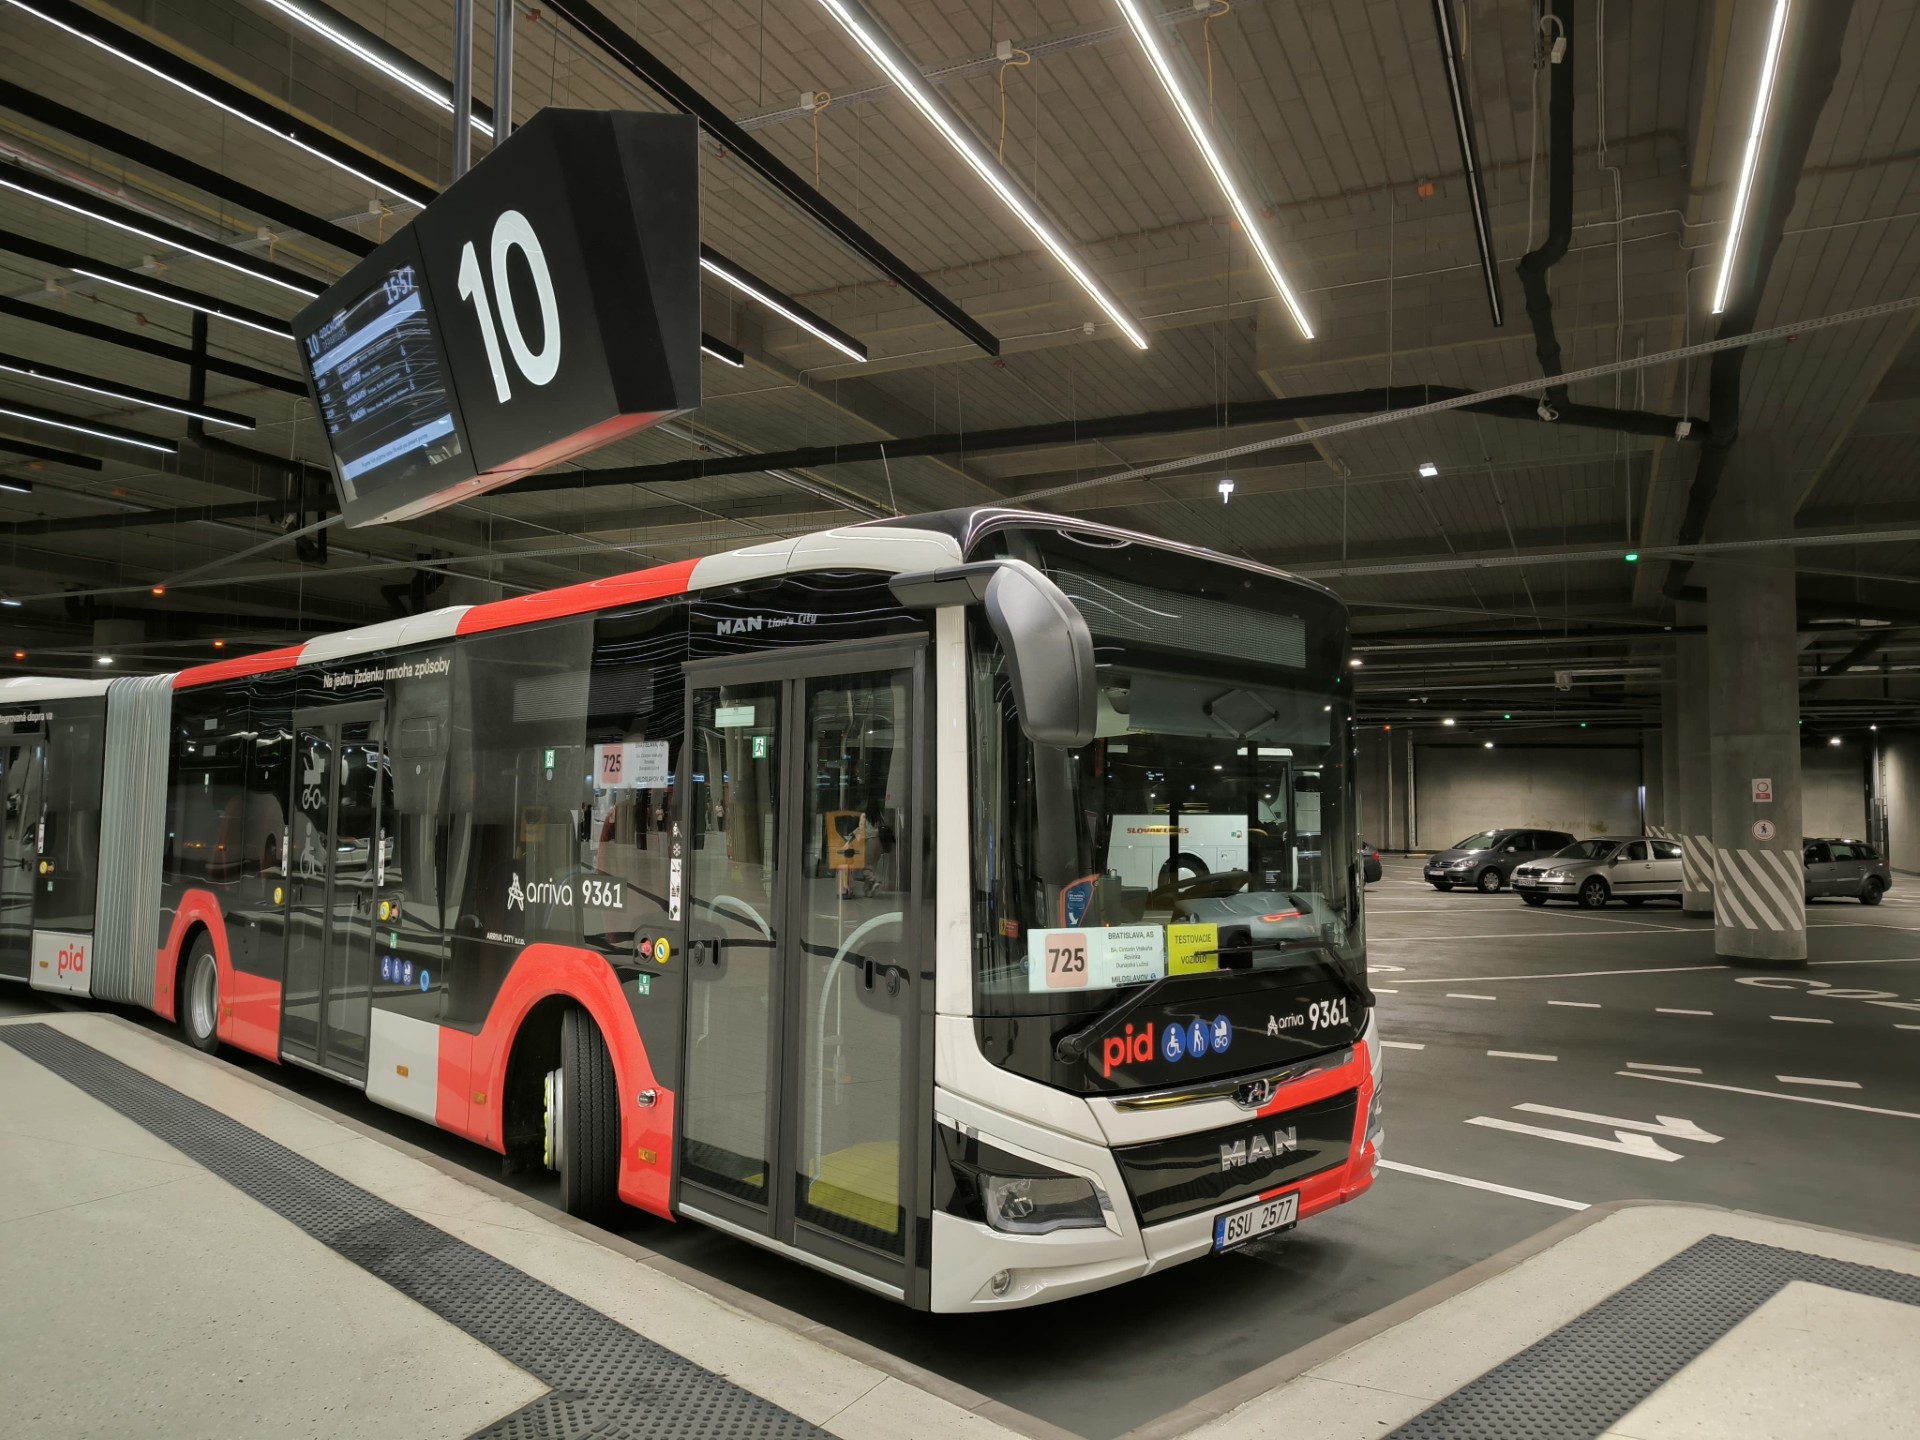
1763 830
1762 791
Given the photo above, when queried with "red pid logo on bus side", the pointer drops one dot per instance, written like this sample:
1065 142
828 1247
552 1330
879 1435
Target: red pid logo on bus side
60 962
1127 1049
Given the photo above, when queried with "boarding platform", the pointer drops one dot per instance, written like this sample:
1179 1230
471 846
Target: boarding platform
188 1250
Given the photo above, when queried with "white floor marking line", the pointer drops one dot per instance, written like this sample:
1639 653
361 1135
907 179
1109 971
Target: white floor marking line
1671 1126
1382 990
1809 1080
1670 1069
1587 974
1624 1142
1520 1055
1801 1019
1664 1010
1521 935
1577 1004
1907 1027
1771 1094
1470 1182
1401 1045
1456 995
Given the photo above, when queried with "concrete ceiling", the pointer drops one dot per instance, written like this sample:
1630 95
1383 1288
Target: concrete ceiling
1337 114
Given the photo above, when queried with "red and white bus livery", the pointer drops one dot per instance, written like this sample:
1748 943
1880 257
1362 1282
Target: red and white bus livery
965 905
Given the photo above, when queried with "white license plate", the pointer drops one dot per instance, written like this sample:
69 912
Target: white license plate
1239 1226
1525 880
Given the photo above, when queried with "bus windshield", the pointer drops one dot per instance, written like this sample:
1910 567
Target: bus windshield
1207 830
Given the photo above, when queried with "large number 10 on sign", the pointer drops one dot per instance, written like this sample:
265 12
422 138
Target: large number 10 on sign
1066 961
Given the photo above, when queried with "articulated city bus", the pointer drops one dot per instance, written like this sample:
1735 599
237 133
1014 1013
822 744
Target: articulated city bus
966 905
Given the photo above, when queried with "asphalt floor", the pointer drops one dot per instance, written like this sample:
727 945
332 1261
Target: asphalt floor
1541 1060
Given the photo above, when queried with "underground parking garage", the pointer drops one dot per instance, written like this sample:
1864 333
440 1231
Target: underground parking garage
1106 720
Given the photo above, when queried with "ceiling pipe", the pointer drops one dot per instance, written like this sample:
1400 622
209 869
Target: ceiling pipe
1535 264
1864 649
1069 432
1811 63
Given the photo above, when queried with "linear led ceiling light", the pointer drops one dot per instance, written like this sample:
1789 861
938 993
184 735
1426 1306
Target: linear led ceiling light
99 432
1763 98
125 394
885 53
723 352
51 192
1469 153
1147 33
328 27
77 22
14 487
754 288
174 297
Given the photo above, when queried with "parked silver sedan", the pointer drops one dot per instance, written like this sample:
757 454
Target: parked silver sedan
1608 867
1846 869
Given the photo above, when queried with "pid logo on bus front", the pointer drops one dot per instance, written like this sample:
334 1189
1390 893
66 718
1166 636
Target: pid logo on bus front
61 961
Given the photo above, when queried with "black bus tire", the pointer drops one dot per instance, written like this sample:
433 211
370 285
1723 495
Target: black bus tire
199 1005
590 1120
1170 871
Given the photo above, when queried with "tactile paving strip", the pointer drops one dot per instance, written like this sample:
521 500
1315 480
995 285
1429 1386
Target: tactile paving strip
1577 1382
607 1381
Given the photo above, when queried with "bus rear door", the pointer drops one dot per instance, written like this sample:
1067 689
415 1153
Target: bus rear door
22 786
802 1113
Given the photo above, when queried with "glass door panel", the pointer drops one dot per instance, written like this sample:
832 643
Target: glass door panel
336 855
21 806
735 922
854 887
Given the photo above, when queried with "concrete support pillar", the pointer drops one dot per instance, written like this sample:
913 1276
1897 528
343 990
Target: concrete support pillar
1669 750
1754 675
1693 794
1652 781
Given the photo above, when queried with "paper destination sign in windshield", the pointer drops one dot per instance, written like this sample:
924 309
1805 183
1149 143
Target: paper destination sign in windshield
1096 958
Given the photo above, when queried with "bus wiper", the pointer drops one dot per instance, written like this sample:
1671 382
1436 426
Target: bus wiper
1072 1047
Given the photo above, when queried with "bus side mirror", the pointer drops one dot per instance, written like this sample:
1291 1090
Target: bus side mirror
1048 647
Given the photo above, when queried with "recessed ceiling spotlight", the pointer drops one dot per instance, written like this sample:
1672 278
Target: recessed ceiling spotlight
1356 662
106 659
1834 741
1226 489
1486 744
1447 721
1428 470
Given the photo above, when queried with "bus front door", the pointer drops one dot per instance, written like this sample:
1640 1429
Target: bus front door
336 852
22 790
801 1111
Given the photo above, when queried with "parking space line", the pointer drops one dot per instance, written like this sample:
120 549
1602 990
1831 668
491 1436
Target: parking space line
1898 1026
1577 1004
1456 995
1589 974
1801 1019
1378 990
1520 1055
1770 1094
1809 1080
1667 1010
1670 1069
1471 1183
1401 1045
1515 935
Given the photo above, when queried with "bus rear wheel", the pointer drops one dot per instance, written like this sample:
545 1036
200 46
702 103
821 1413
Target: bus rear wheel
199 1009
583 1121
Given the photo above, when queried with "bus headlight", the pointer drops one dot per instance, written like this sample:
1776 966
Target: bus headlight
1035 1204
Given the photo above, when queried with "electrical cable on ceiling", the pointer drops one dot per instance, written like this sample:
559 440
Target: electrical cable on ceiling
1206 34
821 100
1009 64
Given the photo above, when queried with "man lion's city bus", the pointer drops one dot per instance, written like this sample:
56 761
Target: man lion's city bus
964 905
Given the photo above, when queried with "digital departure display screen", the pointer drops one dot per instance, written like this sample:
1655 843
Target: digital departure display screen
381 387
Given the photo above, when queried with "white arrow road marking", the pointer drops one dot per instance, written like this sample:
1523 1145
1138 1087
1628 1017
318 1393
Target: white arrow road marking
1809 1080
1670 1069
1672 1127
1625 1142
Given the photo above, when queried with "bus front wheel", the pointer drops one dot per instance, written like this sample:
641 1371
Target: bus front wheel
199 1009
583 1121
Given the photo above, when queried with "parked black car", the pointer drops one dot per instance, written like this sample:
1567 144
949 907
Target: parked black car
1486 860
1369 862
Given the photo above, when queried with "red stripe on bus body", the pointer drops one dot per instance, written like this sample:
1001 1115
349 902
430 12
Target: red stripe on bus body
249 1016
264 662
606 594
473 1068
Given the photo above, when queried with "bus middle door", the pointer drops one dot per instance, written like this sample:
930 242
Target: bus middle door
801 1109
